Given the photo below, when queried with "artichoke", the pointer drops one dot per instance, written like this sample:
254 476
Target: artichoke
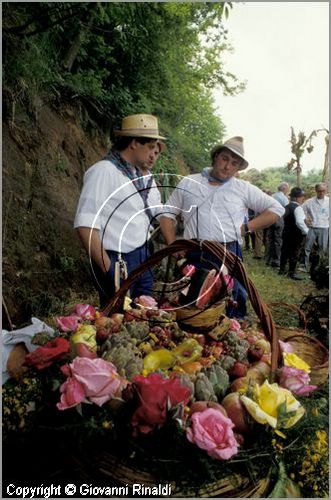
203 389
218 378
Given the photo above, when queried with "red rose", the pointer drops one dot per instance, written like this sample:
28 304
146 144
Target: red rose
156 396
44 356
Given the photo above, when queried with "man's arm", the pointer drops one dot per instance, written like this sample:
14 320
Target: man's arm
91 241
299 216
168 228
266 219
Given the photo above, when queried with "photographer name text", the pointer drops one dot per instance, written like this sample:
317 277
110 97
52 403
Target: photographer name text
72 490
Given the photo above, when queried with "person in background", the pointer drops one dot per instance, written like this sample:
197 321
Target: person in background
275 231
249 237
112 215
213 204
317 213
294 233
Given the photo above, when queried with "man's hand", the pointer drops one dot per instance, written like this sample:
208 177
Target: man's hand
93 246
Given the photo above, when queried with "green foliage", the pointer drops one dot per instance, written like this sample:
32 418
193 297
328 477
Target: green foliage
119 58
271 177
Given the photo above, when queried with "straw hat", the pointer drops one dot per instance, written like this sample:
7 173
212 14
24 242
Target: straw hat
236 145
140 126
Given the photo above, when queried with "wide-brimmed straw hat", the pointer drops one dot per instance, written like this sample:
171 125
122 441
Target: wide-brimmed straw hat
140 126
235 145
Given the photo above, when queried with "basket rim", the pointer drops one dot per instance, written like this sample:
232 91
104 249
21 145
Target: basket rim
306 338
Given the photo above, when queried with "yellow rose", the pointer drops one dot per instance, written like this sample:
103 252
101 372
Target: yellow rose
273 405
85 334
291 359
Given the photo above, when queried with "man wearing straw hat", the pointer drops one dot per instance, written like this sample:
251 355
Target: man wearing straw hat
213 205
113 215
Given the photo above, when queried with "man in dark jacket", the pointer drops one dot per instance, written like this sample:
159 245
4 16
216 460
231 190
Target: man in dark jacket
295 230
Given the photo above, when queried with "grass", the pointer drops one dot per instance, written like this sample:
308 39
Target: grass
275 288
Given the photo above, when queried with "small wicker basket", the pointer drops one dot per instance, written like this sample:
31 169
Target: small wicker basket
284 332
315 354
197 320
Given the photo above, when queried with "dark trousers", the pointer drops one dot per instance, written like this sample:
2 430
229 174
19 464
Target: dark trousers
105 283
274 242
291 248
208 261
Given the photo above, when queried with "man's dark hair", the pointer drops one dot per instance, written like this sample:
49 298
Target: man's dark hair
218 149
122 142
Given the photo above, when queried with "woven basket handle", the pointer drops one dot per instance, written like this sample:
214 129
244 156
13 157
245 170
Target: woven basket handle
236 269
301 315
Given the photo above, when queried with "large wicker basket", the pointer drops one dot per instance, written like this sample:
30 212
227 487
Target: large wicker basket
234 485
236 269
108 466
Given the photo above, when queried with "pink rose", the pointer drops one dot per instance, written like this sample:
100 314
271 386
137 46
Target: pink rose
98 379
72 393
235 325
285 346
68 323
296 381
211 431
146 301
85 311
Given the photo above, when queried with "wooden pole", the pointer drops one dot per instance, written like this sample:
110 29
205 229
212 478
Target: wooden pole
326 170
7 314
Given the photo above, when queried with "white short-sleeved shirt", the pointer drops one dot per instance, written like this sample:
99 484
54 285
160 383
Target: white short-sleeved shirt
110 202
216 212
318 211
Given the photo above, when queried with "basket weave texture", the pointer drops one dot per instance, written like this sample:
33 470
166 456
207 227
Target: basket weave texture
284 332
315 354
232 486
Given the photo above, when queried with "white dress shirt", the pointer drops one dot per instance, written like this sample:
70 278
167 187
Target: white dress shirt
110 202
300 216
216 212
318 211
281 198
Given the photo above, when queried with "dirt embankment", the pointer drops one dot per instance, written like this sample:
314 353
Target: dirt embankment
44 160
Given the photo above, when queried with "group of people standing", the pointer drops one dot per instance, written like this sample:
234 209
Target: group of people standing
120 202
291 239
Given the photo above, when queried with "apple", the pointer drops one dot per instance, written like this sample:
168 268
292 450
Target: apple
262 367
236 412
237 370
255 375
204 405
200 338
263 344
239 385
254 354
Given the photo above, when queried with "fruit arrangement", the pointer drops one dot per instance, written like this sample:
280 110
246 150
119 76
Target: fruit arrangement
214 386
